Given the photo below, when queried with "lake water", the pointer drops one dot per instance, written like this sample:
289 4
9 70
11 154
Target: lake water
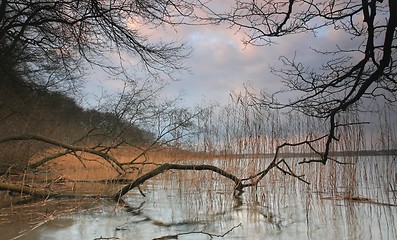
354 201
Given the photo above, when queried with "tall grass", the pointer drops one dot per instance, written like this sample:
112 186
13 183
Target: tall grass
246 136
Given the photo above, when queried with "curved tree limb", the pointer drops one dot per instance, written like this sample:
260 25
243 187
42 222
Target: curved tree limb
49 158
239 182
168 166
27 137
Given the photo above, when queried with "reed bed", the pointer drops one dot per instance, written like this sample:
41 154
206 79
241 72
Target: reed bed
351 192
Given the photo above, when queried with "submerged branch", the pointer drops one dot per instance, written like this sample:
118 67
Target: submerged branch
211 235
240 183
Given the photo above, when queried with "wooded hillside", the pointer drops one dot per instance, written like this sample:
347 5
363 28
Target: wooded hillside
29 108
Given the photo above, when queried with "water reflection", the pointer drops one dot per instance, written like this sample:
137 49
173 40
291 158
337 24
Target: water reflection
344 202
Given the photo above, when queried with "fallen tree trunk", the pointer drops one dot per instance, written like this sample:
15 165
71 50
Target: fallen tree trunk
168 166
240 183
42 193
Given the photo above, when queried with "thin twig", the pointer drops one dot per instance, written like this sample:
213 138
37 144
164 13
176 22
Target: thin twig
103 238
211 235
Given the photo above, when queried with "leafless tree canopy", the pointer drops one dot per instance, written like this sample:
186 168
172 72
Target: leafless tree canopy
53 36
366 71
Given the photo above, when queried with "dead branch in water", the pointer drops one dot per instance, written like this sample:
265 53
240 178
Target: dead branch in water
359 199
211 235
240 183
42 193
168 166
105 238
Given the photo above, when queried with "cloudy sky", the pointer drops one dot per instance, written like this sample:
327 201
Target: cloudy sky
221 63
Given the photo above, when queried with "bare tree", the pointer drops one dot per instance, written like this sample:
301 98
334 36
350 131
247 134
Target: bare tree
56 38
366 71
46 45
138 118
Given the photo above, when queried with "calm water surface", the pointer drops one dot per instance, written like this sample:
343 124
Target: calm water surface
342 202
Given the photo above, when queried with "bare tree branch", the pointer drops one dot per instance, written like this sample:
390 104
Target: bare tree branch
211 235
27 137
367 70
